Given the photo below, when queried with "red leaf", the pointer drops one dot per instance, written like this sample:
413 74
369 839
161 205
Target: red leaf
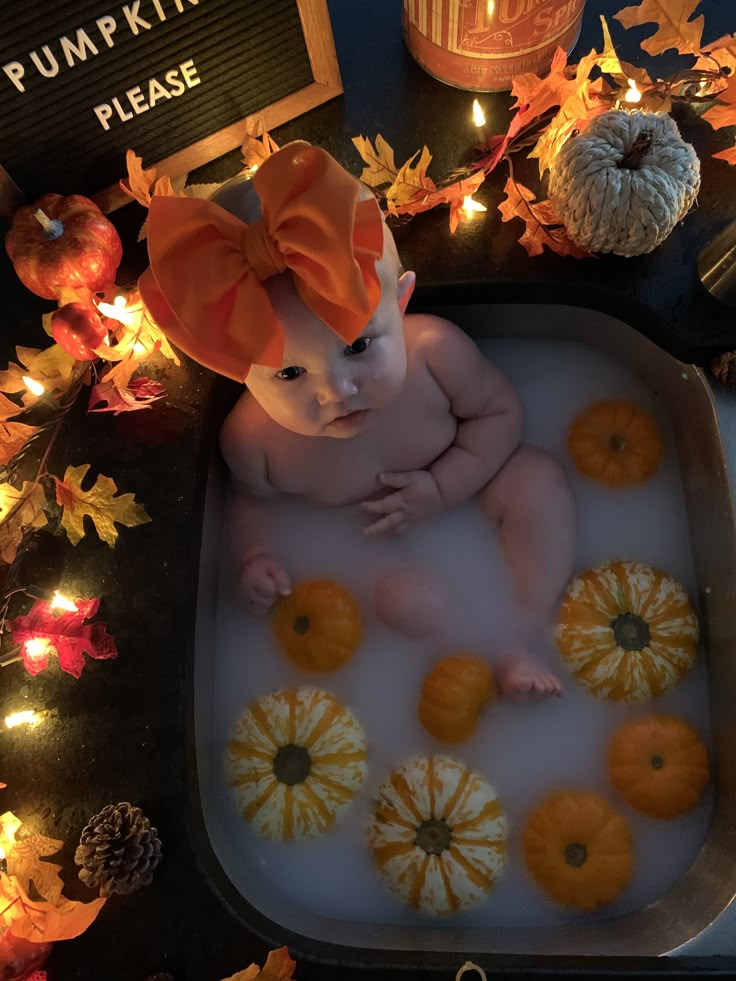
498 145
63 633
139 394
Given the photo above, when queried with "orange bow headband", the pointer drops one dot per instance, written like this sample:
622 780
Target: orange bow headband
204 283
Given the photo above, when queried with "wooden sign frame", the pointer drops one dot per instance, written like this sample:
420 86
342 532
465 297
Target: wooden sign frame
320 45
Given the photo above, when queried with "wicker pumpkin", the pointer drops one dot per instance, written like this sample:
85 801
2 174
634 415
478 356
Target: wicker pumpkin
659 765
295 761
438 835
627 631
578 849
615 443
318 625
623 184
453 695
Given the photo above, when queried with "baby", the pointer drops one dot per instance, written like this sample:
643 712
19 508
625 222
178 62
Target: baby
350 401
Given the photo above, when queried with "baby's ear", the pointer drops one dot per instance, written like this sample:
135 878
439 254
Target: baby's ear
407 282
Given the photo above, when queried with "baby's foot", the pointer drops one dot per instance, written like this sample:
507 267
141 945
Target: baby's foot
521 678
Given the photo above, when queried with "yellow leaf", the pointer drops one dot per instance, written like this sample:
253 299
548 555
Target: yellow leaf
99 502
412 185
674 27
52 367
24 863
8 408
20 510
381 166
13 437
9 824
278 967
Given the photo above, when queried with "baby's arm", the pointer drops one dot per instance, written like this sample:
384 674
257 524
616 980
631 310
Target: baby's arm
261 579
486 405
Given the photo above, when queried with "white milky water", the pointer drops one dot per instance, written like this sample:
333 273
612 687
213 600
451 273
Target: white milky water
525 751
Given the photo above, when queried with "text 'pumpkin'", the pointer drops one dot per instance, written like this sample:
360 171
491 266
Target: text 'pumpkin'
295 761
438 835
627 631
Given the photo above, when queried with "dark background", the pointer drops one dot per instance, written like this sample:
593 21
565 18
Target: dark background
121 731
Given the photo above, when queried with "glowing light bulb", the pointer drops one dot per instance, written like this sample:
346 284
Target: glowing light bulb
27 718
139 348
36 646
479 118
490 8
34 387
471 208
60 602
632 93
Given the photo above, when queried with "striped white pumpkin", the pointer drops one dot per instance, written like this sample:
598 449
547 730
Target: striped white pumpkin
627 631
302 730
438 835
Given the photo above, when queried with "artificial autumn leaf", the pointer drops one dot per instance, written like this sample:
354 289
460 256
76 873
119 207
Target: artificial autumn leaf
722 54
728 155
141 393
8 408
24 862
63 633
13 437
52 367
257 147
674 27
574 115
498 145
408 193
543 225
9 824
40 921
381 167
142 184
278 967
455 194
538 95
723 113
21 510
99 502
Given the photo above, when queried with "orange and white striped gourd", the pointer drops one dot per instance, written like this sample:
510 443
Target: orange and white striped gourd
295 762
438 835
627 631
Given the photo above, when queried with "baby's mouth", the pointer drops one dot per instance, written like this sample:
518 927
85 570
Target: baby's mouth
349 418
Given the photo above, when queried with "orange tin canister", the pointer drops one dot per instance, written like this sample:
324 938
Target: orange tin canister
482 44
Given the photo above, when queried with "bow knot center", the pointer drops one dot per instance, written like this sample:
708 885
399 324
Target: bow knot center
261 252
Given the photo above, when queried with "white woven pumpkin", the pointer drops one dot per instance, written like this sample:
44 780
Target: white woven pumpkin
623 184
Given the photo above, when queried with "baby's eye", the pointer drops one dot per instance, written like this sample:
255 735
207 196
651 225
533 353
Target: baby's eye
358 346
290 374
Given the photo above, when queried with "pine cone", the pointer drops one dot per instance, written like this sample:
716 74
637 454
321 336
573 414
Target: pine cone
118 850
724 368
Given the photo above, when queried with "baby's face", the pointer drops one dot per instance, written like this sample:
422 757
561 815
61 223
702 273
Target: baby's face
325 387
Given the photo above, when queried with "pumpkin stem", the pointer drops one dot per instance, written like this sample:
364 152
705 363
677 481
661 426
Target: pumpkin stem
631 632
301 624
576 854
52 227
433 836
638 150
292 764
470 966
657 762
617 443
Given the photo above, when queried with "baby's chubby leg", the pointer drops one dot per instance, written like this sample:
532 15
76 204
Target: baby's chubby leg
530 501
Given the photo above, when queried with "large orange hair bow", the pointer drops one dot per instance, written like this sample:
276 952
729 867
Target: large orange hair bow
204 283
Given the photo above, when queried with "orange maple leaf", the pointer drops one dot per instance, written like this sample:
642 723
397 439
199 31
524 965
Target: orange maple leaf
409 192
142 184
720 53
278 967
257 146
13 437
455 194
41 921
541 94
723 113
674 27
543 224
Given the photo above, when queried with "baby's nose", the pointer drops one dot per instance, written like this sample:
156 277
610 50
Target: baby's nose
335 388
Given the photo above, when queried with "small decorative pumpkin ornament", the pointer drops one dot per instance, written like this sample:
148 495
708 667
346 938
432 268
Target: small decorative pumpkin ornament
623 184
78 330
659 764
438 835
578 849
616 443
454 694
63 241
295 762
627 631
318 625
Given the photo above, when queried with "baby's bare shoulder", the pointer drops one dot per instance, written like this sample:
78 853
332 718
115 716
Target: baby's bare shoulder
423 330
242 445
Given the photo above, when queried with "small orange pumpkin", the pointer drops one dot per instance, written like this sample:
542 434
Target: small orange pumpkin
659 764
627 631
453 695
578 849
616 443
318 625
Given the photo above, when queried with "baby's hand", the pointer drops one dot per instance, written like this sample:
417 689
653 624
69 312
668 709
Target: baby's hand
262 581
417 498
